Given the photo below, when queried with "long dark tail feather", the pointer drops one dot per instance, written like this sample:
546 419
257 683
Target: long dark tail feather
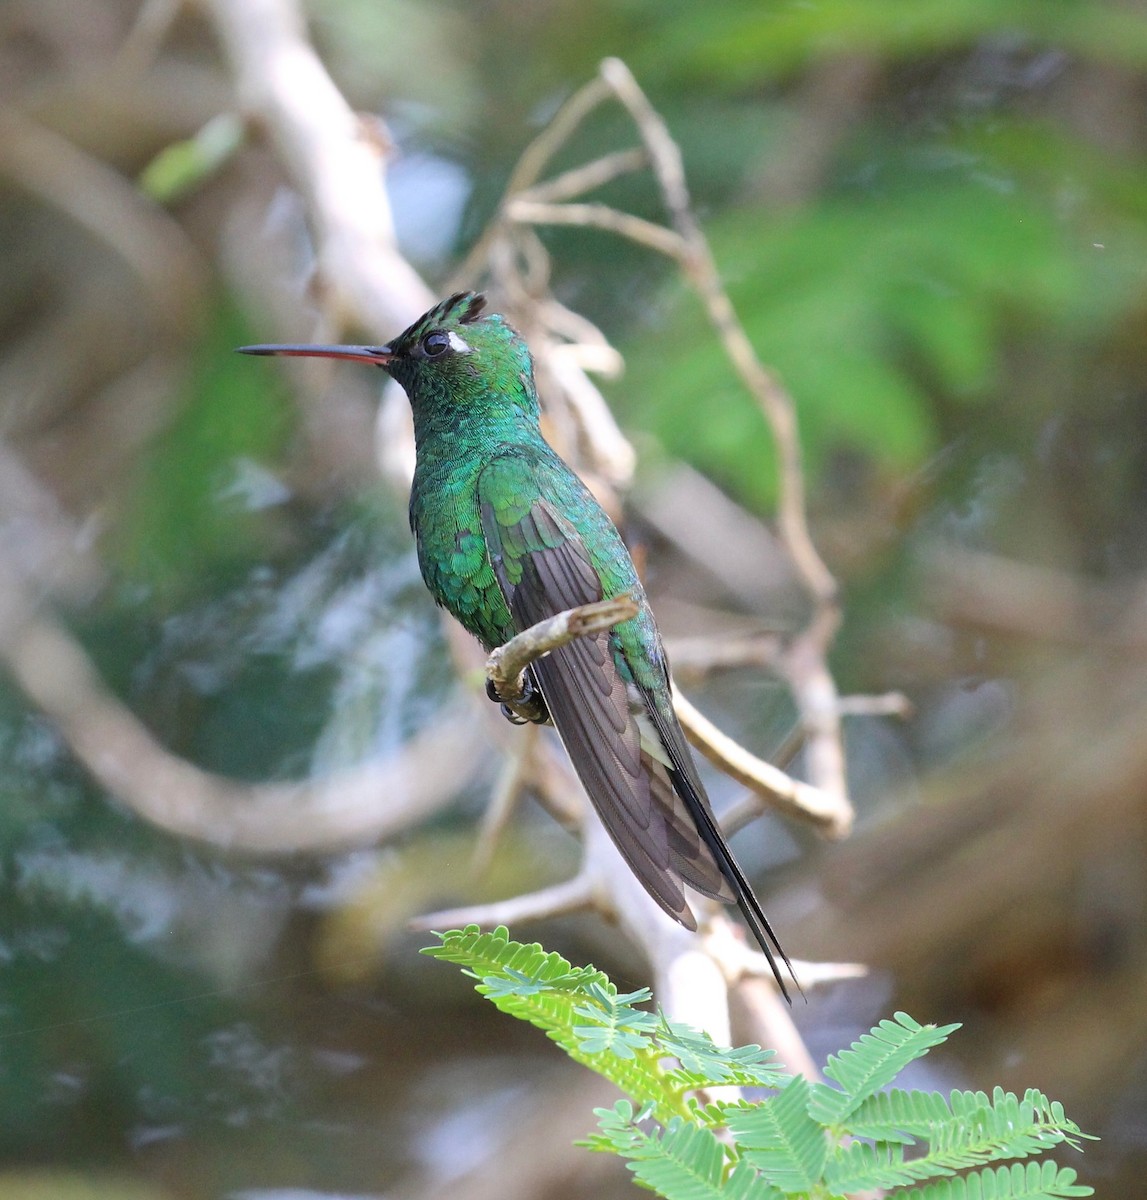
694 800
747 901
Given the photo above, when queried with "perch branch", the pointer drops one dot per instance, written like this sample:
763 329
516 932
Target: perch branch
506 666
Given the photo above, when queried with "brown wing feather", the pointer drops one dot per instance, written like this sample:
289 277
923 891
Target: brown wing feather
595 713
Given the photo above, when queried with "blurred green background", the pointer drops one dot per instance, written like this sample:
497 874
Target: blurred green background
932 217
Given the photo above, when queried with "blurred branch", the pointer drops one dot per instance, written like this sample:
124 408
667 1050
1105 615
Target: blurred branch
333 156
102 201
778 789
345 809
998 594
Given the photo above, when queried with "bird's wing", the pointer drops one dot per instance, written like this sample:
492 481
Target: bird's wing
543 567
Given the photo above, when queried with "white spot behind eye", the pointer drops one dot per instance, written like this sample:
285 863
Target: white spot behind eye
457 344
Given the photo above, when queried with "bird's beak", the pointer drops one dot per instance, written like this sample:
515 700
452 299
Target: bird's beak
380 356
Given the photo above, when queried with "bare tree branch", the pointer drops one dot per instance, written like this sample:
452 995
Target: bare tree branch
506 666
349 808
334 157
787 795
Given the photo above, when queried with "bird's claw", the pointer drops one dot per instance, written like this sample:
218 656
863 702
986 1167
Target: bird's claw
528 709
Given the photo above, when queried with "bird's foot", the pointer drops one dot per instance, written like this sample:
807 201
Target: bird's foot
528 708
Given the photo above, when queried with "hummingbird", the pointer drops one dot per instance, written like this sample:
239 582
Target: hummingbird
508 535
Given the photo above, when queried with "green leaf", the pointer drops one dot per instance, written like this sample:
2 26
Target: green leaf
181 167
1021 1181
791 1144
705 1064
781 1140
683 1162
899 1116
578 1007
872 1063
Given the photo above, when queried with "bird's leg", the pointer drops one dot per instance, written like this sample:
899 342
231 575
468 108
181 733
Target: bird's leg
527 707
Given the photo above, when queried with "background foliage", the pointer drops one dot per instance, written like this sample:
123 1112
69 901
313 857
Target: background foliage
931 216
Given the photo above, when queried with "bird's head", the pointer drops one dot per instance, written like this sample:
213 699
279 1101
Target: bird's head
454 350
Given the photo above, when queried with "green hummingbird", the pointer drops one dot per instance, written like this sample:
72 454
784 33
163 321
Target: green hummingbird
507 536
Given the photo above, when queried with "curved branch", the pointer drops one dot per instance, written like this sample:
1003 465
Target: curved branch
506 666
828 812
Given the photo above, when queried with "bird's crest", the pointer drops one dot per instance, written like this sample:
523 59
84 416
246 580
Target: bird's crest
463 308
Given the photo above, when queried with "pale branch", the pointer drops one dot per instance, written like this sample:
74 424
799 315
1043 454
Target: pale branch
579 180
507 664
154 246
803 801
334 157
890 704
317 815
697 657
507 791
572 896
1003 596
151 26
600 216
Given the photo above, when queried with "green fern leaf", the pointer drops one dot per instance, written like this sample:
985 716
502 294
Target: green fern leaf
702 1063
1021 1181
860 1167
544 989
969 1132
899 1116
683 1162
780 1139
493 954
872 1063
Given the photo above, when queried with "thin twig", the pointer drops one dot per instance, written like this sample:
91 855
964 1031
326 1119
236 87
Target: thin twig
787 795
579 180
556 901
503 800
530 166
601 216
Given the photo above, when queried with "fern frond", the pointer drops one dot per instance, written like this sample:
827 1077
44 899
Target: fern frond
789 1144
614 1024
899 1116
578 1007
968 1130
1021 1181
860 1167
493 954
780 1139
872 1063
702 1063
683 1161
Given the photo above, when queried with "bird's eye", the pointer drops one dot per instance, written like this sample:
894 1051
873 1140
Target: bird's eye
434 344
